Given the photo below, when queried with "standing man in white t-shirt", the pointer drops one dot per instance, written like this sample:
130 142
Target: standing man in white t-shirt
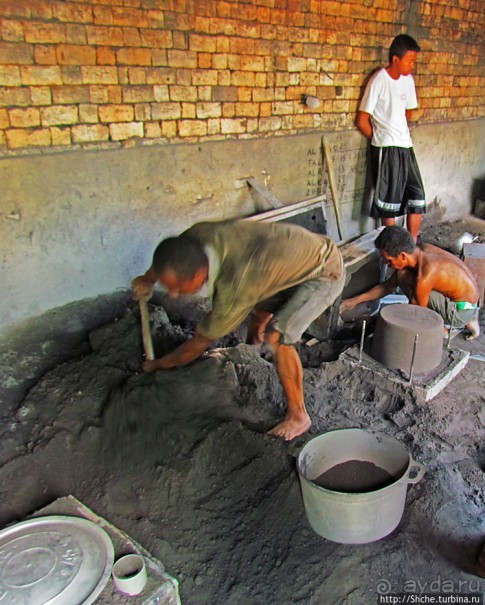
383 118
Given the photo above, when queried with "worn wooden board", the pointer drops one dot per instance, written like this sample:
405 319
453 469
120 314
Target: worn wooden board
307 213
359 251
333 189
345 166
267 196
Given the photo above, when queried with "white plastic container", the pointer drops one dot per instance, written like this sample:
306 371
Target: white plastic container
355 518
130 574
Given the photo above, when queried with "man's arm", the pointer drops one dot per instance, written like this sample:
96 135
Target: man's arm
373 294
409 115
364 124
188 351
422 291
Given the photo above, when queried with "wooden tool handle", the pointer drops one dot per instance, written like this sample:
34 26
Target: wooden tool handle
333 190
145 330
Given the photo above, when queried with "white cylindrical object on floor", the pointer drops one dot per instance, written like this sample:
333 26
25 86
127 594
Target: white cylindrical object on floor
130 574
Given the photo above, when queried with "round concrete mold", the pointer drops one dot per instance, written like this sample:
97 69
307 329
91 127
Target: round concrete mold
395 335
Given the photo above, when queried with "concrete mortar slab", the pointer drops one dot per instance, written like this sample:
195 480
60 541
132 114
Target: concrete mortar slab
423 387
396 344
161 589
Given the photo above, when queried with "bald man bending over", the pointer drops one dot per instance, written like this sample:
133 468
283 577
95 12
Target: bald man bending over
284 275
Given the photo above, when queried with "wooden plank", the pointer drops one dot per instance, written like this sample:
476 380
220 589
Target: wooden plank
345 176
145 330
333 188
307 213
264 192
289 210
360 250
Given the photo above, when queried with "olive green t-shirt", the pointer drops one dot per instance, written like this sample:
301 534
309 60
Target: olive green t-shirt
257 260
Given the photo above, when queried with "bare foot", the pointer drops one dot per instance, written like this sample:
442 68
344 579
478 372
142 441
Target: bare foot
289 428
474 328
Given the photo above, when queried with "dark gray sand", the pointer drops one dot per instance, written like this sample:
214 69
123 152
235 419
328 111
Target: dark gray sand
181 462
355 477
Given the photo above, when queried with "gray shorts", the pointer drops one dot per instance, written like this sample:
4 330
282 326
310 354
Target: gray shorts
444 306
296 308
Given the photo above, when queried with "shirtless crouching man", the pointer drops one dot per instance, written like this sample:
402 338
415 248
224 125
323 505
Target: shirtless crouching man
429 276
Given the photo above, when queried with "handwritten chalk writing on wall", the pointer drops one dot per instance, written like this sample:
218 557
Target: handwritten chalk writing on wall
314 172
348 152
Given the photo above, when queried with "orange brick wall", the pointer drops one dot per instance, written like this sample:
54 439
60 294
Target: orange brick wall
107 72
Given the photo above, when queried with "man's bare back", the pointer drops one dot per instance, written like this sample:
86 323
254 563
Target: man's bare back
439 270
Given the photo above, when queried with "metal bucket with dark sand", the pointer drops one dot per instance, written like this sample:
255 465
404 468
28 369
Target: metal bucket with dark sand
354 484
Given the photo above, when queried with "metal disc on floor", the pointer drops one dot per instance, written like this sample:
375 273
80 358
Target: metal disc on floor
55 560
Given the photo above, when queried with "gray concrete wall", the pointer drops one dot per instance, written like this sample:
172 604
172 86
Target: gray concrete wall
451 157
79 224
